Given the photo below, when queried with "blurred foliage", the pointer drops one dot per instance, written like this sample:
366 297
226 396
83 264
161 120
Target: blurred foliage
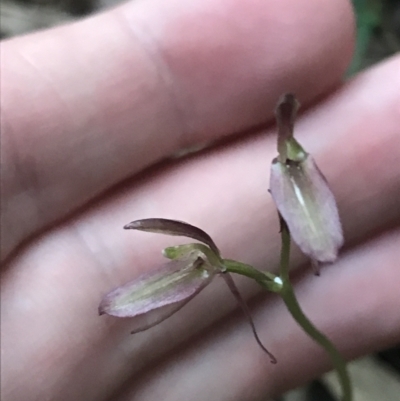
378 31
368 18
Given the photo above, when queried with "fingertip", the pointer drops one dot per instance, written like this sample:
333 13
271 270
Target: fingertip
90 103
228 61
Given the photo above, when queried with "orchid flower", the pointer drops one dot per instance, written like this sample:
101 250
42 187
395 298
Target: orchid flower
308 214
301 193
155 296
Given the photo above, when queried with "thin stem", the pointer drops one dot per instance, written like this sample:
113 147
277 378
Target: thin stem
294 308
266 279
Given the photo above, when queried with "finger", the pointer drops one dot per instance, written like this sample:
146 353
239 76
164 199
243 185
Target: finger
226 364
58 282
86 105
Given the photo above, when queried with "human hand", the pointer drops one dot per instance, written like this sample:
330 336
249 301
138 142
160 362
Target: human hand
88 112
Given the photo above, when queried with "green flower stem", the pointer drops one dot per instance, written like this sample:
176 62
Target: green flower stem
278 284
289 297
267 280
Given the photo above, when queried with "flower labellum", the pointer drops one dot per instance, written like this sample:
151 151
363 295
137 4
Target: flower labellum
301 193
155 296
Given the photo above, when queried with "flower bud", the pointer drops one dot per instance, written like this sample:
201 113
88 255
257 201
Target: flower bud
301 193
308 207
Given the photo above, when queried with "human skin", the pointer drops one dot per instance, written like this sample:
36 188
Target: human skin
89 113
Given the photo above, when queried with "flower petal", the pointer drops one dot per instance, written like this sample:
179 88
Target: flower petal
155 296
243 305
308 206
285 113
150 319
173 227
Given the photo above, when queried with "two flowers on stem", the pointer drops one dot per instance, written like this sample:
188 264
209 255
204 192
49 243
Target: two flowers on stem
307 212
